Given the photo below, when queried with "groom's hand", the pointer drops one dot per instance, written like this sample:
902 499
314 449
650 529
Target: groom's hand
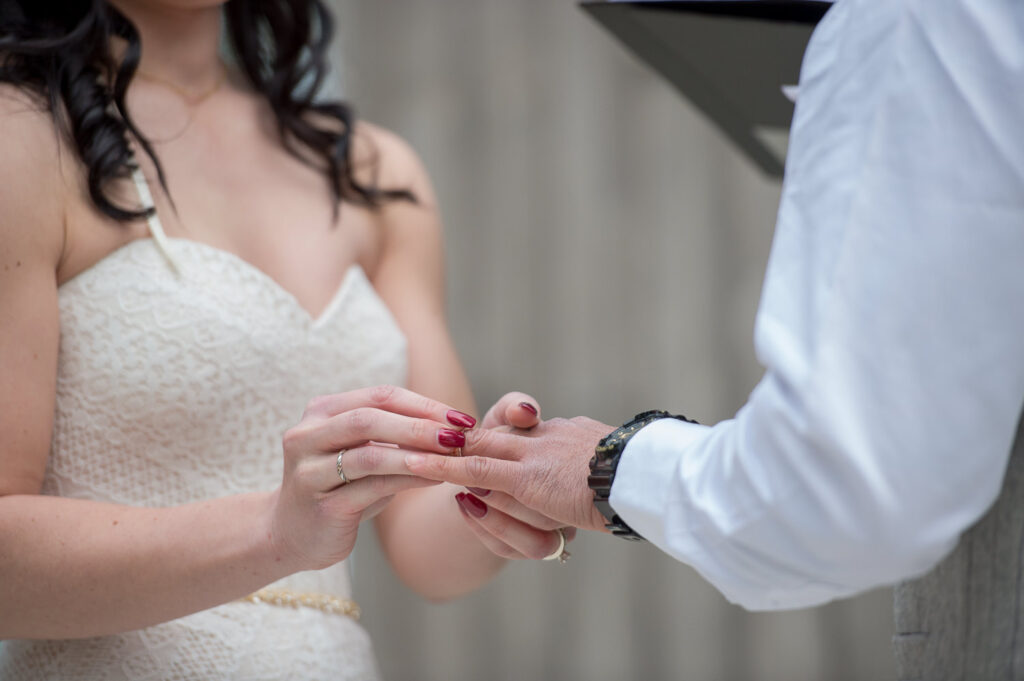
544 468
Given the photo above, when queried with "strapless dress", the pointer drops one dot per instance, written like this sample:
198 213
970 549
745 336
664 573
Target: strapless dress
180 367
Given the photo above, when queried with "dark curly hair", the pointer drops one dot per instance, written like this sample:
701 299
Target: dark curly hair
58 51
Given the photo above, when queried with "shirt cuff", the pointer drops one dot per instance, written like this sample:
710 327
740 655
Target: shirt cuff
646 474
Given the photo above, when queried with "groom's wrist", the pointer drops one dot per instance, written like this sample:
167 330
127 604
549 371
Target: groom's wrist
604 465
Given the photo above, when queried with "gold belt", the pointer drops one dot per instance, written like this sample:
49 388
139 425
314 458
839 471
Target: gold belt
287 598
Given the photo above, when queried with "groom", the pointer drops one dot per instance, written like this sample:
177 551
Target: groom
891 329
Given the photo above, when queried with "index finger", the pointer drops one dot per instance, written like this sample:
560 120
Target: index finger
468 471
389 398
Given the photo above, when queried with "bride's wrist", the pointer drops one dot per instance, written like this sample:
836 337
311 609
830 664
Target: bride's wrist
271 550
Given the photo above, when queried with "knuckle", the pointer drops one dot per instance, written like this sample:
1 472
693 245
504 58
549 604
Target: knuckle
294 438
439 466
382 394
431 406
479 439
479 469
290 440
304 474
359 421
316 405
421 430
370 459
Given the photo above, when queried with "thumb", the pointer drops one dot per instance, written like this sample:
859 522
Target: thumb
515 409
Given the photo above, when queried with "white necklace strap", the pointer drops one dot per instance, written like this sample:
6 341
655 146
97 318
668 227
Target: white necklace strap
156 228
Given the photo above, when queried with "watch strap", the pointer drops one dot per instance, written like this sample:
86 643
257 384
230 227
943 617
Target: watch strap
605 463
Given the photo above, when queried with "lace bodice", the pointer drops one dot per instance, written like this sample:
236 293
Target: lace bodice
177 386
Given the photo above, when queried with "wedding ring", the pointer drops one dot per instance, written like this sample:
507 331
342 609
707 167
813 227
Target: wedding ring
560 553
341 471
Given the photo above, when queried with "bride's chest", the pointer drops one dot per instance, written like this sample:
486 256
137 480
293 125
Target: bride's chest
257 202
219 340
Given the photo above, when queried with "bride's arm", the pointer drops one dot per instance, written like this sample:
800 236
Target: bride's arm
430 545
66 564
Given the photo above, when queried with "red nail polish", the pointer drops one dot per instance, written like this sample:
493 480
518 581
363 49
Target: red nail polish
460 499
480 492
459 419
451 438
529 407
473 506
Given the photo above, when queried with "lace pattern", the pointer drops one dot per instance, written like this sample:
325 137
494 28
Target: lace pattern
176 387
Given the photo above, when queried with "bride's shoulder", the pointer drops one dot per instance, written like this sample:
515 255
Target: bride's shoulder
32 190
27 134
411 233
383 158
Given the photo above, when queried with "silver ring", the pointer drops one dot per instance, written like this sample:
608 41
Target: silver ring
341 471
560 553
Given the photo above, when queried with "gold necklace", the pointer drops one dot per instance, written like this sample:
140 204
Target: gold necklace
192 99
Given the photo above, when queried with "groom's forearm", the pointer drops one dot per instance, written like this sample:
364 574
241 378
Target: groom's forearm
430 546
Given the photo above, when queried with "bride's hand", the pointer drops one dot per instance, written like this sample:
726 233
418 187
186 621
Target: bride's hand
506 527
316 515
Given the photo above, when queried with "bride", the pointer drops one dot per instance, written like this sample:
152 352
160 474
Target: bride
189 252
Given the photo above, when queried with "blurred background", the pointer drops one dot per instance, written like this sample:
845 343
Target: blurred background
606 248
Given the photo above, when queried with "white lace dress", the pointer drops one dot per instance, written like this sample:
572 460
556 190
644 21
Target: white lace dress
176 387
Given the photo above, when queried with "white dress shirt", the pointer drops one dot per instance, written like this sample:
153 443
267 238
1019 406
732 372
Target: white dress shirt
891 325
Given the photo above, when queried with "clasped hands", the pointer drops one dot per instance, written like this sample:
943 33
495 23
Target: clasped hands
525 478
540 465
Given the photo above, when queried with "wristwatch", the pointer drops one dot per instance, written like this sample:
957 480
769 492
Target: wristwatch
606 461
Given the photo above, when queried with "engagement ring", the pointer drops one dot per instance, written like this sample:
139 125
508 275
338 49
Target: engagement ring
560 553
341 471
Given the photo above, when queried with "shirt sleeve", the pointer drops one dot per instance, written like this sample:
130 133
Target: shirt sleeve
890 327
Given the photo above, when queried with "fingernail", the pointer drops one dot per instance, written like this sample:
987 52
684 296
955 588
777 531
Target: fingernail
451 438
460 419
529 407
414 459
473 506
478 491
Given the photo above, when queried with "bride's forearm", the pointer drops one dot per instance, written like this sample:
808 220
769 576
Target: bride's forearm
430 546
72 568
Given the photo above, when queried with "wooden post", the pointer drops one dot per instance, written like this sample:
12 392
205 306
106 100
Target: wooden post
962 620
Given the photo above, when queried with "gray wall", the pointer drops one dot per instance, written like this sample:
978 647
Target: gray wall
606 248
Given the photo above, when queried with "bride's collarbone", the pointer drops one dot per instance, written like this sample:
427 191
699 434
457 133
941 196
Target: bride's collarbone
305 259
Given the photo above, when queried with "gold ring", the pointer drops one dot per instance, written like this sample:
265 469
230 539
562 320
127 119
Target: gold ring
560 553
341 471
